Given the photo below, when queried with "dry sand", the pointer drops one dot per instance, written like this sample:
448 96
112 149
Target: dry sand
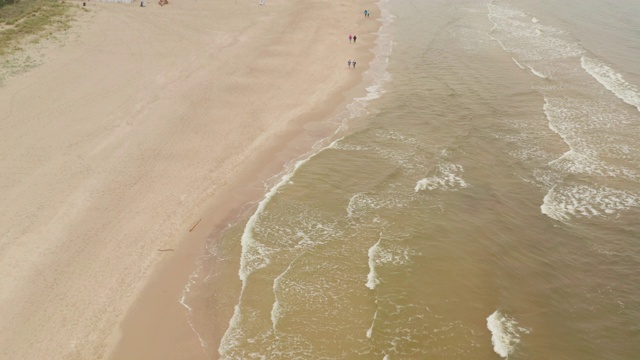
149 121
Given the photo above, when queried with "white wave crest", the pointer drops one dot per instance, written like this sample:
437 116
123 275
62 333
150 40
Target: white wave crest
564 203
528 41
612 81
372 278
505 334
370 330
254 255
446 178
537 73
276 309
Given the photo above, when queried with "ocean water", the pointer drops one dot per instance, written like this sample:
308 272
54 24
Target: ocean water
481 202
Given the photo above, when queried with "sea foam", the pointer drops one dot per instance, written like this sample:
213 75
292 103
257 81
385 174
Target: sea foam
276 309
565 202
372 278
612 81
373 322
531 45
255 255
447 177
505 334
537 73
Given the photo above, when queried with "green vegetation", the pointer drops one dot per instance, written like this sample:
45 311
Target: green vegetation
22 20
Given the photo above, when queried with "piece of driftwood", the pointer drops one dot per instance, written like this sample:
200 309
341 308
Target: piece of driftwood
166 250
194 225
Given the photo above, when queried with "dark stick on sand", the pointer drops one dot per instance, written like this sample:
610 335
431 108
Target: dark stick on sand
194 225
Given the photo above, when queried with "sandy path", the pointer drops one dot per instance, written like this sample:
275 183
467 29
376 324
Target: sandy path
113 147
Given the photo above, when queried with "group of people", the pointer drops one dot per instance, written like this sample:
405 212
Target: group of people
354 38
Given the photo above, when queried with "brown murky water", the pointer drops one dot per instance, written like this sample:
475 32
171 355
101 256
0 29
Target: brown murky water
484 202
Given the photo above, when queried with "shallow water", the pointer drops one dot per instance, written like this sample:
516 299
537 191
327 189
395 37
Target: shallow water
482 203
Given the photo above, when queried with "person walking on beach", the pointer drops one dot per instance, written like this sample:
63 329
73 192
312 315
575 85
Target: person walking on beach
365 13
349 64
354 38
354 64
350 37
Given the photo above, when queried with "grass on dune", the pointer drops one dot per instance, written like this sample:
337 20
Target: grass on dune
22 20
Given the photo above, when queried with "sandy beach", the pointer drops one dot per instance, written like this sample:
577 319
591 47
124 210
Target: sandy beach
140 138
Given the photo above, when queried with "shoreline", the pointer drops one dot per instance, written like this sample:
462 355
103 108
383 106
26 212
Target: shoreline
158 318
145 141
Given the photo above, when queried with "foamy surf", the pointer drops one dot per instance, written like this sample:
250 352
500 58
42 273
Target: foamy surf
505 334
447 178
372 278
612 81
530 43
254 255
370 330
573 162
276 310
537 73
564 203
